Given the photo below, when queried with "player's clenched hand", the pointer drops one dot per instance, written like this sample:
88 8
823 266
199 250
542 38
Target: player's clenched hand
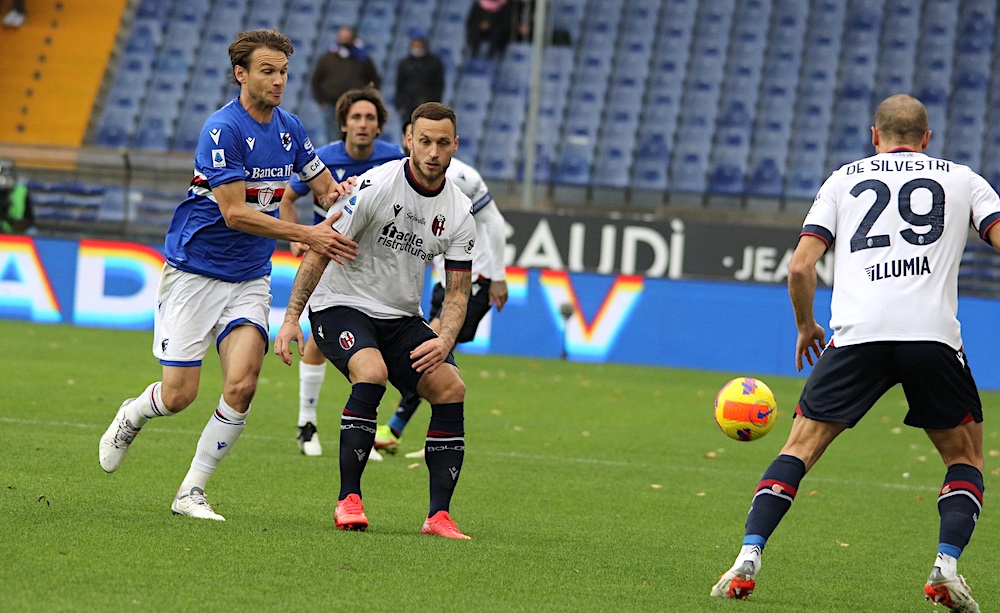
429 355
498 294
290 332
334 245
298 249
808 344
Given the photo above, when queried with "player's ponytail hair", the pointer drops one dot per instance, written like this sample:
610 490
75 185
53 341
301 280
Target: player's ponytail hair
251 40
434 111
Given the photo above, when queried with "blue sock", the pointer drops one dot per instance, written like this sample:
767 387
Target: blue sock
773 498
407 407
960 503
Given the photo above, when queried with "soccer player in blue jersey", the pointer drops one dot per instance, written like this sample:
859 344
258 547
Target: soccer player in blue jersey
215 286
361 115
898 223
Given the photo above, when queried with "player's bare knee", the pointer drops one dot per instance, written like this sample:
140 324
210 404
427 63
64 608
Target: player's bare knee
240 392
178 398
442 386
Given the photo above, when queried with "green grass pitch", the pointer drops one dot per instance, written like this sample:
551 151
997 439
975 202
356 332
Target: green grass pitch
587 487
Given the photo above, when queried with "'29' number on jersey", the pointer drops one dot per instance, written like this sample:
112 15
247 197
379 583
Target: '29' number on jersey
933 218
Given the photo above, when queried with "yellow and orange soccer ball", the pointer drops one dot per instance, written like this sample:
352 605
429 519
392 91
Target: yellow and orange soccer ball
745 409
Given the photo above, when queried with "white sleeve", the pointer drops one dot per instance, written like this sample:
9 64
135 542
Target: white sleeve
491 221
985 204
357 210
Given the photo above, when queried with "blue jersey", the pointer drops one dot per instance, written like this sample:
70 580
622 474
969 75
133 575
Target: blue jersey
334 155
234 147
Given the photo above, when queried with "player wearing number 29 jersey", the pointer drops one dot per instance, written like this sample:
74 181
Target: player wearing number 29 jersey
901 220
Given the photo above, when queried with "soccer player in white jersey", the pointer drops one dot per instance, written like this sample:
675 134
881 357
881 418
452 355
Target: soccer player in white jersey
215 287
366 314
898 223
361 115
489 284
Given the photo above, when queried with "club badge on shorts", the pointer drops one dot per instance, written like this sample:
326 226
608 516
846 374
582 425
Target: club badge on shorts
346 340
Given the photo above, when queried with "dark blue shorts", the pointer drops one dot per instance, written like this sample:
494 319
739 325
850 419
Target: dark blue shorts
341 331
847 381
479 306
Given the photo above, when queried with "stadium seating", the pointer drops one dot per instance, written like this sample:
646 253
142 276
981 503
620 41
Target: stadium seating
755 98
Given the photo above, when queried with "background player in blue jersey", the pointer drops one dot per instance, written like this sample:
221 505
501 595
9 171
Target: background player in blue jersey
893 322
215 286
361 115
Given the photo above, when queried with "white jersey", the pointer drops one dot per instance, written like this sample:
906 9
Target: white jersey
488 259
399 227
901 221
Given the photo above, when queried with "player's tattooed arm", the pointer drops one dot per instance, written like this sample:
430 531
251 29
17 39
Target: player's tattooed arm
458 285
308 275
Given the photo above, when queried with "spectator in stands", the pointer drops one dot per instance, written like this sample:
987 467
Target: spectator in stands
524 16
15 16
419 77
345 66
16 213
489 21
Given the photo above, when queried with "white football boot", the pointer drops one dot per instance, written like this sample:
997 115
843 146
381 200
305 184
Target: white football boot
194 504
116 440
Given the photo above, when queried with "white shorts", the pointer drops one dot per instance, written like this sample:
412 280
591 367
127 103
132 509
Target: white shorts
194 310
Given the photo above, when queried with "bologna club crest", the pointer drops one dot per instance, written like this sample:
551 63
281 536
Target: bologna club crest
437 226
346 340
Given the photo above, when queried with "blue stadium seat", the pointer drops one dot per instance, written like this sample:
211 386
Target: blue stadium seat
802 182
568 14
111 134
153 134
573 166
652 158
765 179
612 165
689 168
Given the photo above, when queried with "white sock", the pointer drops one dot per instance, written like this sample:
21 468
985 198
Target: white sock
220 434
947 564
146 406
310 381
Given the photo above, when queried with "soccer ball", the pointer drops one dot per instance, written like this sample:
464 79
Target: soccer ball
745 409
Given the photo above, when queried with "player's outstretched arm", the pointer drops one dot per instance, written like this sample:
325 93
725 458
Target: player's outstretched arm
802 291
308 275
431 354
238 216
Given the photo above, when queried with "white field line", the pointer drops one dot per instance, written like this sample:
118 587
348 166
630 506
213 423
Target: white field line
514 455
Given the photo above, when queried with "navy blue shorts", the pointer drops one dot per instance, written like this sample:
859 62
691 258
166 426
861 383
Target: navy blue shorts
479 306
341 331
847 381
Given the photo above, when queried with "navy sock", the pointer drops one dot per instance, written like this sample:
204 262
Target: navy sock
444 452
773 498
357 434
960 503
407 407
